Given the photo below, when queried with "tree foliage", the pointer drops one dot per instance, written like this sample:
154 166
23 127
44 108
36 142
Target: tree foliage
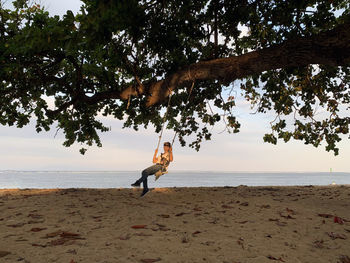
123 58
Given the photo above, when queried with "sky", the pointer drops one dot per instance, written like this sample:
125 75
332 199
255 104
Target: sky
126 149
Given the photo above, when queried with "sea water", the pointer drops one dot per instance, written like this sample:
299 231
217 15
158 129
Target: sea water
123 179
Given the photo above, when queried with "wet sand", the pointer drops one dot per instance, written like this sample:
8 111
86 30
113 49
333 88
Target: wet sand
217 224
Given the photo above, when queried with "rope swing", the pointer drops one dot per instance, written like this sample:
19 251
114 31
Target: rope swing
166 113
160 172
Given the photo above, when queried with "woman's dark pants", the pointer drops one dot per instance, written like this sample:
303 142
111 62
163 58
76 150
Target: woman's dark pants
148 171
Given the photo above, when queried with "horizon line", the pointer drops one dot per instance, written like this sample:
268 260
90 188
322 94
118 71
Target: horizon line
188 170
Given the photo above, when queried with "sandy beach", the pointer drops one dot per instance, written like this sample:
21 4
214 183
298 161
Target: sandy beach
217 224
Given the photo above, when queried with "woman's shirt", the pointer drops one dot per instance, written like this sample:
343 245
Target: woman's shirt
164 159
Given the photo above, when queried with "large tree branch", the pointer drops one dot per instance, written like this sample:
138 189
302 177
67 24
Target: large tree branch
327 48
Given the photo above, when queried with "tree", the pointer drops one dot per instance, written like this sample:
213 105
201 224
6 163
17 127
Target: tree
123 58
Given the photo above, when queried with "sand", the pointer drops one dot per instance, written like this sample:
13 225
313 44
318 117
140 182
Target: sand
217 224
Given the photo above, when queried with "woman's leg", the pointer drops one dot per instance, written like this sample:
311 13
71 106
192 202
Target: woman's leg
148 171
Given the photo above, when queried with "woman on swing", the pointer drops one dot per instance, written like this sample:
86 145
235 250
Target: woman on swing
161 164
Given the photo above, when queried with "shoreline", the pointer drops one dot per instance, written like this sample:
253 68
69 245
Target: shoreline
176 224
170 187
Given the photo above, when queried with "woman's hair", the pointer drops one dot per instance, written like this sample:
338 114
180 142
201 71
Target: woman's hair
167 144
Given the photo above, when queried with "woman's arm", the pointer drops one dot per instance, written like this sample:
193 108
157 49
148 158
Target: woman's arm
155 156
171 154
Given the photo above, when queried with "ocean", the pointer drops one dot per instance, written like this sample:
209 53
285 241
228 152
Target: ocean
123 179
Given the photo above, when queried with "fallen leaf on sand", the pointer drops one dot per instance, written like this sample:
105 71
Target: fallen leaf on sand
240 242
338 220
54 234
4 253
35 221
273 258
335 235
38 245
185 239
265 206
164 216
150 260
138 226
69 235
242 222
227 206
208 243
214 221
59 241
286 216
195 233
344 259
290 211
318 243
244 204
36 216
17 225
125 237
64 237
278 199
21 239
181 214
281 223
37 229
326 215
72 261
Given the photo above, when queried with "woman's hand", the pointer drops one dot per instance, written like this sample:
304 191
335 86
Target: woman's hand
171 154
155 156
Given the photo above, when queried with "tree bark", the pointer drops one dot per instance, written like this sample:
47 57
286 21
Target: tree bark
327 48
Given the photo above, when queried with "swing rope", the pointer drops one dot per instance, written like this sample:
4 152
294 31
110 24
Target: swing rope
166 113
164 118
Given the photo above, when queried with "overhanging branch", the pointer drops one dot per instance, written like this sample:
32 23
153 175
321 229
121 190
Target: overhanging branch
327 48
